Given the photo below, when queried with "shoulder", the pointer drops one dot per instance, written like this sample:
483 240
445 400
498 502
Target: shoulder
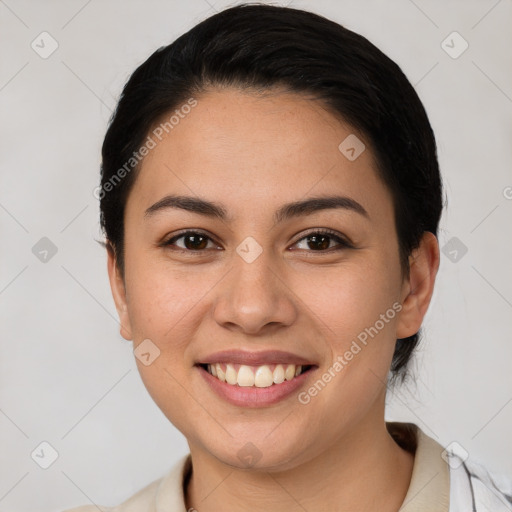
143 500
474 487
446 478
164 493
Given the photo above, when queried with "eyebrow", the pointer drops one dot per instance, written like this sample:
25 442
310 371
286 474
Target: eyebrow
287 211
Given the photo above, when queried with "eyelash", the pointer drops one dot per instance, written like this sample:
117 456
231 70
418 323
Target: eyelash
343 243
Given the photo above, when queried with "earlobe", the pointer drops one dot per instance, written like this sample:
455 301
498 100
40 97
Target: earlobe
418 288
117 287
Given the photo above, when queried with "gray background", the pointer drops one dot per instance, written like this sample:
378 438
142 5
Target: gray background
69 379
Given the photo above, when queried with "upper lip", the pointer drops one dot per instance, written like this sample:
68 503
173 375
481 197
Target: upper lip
251 358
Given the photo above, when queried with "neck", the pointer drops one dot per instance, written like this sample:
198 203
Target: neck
363 470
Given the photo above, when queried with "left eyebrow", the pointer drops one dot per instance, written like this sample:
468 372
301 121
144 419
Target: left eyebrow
314 204
287 211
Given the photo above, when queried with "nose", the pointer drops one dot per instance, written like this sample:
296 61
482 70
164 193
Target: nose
254 297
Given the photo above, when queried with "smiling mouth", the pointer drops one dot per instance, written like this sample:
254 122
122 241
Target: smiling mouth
262 376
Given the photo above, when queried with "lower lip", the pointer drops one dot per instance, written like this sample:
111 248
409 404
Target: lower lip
251 396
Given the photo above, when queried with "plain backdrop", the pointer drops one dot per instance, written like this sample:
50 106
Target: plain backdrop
68 379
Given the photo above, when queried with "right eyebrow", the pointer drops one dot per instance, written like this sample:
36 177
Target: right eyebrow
188 203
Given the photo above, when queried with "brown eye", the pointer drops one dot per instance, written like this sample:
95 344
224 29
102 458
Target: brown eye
191 241
320 241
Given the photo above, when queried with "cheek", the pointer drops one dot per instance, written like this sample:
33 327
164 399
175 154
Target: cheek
163 305
162 300
348 299
356 312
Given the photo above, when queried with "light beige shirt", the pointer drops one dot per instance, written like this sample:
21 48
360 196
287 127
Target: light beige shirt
429 489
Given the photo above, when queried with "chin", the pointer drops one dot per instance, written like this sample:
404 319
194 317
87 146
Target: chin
257 453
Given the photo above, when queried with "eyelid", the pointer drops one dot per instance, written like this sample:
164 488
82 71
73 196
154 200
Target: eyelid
194 231
342 241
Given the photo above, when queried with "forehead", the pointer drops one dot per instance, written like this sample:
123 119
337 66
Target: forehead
248 147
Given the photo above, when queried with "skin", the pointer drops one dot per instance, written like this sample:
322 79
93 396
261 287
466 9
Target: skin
252 154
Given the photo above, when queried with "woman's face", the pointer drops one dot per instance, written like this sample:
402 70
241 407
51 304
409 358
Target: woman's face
261 291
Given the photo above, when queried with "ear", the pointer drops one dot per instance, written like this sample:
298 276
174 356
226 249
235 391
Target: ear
417 290
118 293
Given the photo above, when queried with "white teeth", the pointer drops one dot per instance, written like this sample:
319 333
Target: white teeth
245 376
289 372
231 376
261 377
220 372
278 374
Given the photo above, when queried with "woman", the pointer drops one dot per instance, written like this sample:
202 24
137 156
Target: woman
270 197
